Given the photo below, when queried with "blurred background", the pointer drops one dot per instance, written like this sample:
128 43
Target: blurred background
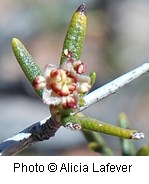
116 42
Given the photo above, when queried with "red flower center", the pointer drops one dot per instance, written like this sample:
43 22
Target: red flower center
61 82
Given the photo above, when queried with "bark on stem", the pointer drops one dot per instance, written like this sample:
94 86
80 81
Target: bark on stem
39 131
113 86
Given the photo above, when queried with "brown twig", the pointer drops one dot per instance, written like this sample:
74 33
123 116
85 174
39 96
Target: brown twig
39 131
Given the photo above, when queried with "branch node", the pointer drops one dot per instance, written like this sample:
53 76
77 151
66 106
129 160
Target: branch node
46 130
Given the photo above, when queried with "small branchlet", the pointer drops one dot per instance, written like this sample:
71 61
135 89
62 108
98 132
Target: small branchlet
99 126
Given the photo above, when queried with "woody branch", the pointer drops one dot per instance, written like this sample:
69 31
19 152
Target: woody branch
47 128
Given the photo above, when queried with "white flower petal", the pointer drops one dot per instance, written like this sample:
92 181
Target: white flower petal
84 78
69 67
83 88
48 70
50 99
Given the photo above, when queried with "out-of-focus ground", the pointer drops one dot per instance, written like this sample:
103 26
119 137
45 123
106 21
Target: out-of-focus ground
116 42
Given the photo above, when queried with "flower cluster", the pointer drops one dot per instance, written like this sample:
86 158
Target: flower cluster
65 85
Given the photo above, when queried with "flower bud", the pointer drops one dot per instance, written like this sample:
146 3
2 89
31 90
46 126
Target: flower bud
39 83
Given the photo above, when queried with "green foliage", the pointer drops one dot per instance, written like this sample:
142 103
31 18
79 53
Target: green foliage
29 67
75 35
144 151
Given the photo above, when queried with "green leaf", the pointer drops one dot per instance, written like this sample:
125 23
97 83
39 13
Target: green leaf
75 35
93 77
98 126
29 67
144 151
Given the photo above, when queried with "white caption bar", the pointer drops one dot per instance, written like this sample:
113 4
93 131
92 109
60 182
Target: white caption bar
73 169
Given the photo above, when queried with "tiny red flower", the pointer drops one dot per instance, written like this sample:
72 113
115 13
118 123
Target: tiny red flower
64 86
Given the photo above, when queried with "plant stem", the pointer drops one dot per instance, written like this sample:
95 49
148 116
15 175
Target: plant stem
39 131
113 86
90 99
